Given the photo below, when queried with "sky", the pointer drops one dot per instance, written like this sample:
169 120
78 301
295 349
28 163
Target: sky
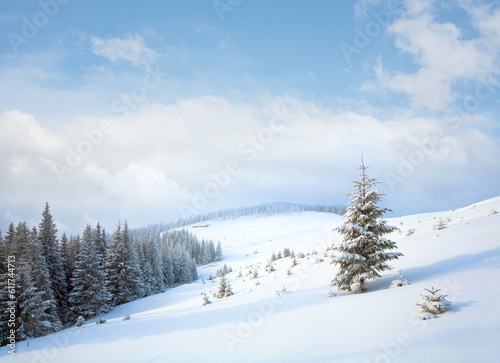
158 110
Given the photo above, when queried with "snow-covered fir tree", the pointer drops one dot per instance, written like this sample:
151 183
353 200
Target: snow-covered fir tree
363 252
218 252
399 282
225 289
146 273
153 256
68 262
122 266
37 309
87 276
90 295
432 304
47 235
167 266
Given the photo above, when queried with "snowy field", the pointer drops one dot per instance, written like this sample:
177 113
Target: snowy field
294 315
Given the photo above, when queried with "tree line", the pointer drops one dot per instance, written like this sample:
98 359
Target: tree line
50 283
233 213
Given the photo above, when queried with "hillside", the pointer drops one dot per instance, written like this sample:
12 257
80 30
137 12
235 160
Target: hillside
293 317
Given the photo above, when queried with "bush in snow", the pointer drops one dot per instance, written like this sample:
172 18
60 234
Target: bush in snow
100 320
410 232
255 273
80 321
492 212
439 225
224 288
432 304
206 300
399 282
126 317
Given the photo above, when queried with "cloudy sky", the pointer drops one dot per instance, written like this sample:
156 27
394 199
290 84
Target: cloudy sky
156 110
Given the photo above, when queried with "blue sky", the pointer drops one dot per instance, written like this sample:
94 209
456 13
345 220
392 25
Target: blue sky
151 111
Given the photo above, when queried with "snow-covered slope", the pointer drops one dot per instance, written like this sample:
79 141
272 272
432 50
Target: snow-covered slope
264 323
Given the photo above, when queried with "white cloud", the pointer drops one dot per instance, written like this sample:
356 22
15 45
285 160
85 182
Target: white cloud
130 48
159 158
443 55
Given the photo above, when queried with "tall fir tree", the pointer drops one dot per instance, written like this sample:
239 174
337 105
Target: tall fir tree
167 267
100 244
146 274
90 296
218 252
48 240
37 309
48 317
363 251
153 257
122 266
67 261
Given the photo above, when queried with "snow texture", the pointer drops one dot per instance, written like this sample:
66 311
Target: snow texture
304 324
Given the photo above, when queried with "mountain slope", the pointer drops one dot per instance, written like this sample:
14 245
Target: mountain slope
263 323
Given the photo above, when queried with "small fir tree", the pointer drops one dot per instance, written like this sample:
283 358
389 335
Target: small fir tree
399 282
80 321
439 225
206 299
224 288
362 253
432 304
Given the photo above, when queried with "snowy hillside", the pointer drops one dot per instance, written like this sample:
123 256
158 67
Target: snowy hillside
293 314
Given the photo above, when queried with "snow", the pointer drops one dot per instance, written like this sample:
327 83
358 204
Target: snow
304 324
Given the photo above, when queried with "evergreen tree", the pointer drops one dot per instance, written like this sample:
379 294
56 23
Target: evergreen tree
123 268
186 273
201 260
37 309
100 243
153 257
167 267
433 303
210 252
67 261
145 275
48 240
90 295
218 252
224 288
362 253
74 247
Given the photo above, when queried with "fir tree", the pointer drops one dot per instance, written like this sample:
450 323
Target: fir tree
432 304
48 240
90 295
123 268
38 313
362 253
224 288
153 257
146 274
167 267
218 252
67 261
439 225
399 282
